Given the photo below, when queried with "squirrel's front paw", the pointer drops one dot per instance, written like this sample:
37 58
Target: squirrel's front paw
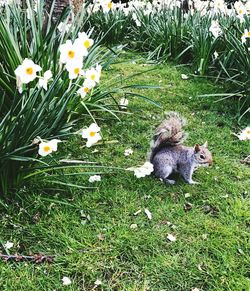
193 182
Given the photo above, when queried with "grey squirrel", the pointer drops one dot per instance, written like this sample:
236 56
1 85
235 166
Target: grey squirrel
168 154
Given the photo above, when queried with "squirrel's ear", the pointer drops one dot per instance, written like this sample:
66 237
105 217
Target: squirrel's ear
197 148
205 145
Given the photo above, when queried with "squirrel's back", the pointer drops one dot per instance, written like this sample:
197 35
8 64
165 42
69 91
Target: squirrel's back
169 133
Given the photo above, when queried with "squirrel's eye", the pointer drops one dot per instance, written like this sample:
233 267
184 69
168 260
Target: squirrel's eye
202 157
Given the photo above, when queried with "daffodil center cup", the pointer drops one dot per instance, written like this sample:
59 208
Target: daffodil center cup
47 148
92 77
86 89
29 71
76 71
109 5
71 54
92 133
86 44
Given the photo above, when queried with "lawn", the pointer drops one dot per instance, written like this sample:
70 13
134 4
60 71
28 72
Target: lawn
210 221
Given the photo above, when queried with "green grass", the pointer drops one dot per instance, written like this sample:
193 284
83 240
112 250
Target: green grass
211 250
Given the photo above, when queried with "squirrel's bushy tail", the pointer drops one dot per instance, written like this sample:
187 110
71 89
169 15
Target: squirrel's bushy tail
168 133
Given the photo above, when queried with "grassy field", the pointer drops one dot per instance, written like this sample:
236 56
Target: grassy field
210 221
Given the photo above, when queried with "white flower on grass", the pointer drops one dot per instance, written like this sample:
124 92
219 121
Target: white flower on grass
143 171
46 148
124 103
26 72
244 134
66 281
43 82
74 68
84 42
85 89
64 26
95 178
215 28
70 52
128 152
8 245
91 134
93 75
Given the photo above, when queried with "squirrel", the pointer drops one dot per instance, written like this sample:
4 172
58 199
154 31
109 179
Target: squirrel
168 154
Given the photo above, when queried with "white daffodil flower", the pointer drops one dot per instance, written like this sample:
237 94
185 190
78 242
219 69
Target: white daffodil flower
91 134
245 36
85 89
74 68
106 5
84 42
244 134
240 10
215 28
64 26
70 52
95 178
124 103
66 281
93 75
43 82
26 72
46 148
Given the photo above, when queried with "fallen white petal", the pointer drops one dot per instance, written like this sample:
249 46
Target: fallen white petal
66 281
184 76
137 212
133 226
171 237
148 213
8 245
98 282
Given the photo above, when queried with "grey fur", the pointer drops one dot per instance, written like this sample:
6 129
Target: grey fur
168 155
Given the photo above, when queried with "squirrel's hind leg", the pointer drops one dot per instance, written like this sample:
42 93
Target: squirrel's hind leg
167 172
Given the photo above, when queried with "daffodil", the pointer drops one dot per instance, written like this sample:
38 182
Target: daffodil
84 42
70 52
46 148
240 10
106 5
43 82
85 89
244 134
91 134
64 27
215 28
93 75
74 68
245 36
26 72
